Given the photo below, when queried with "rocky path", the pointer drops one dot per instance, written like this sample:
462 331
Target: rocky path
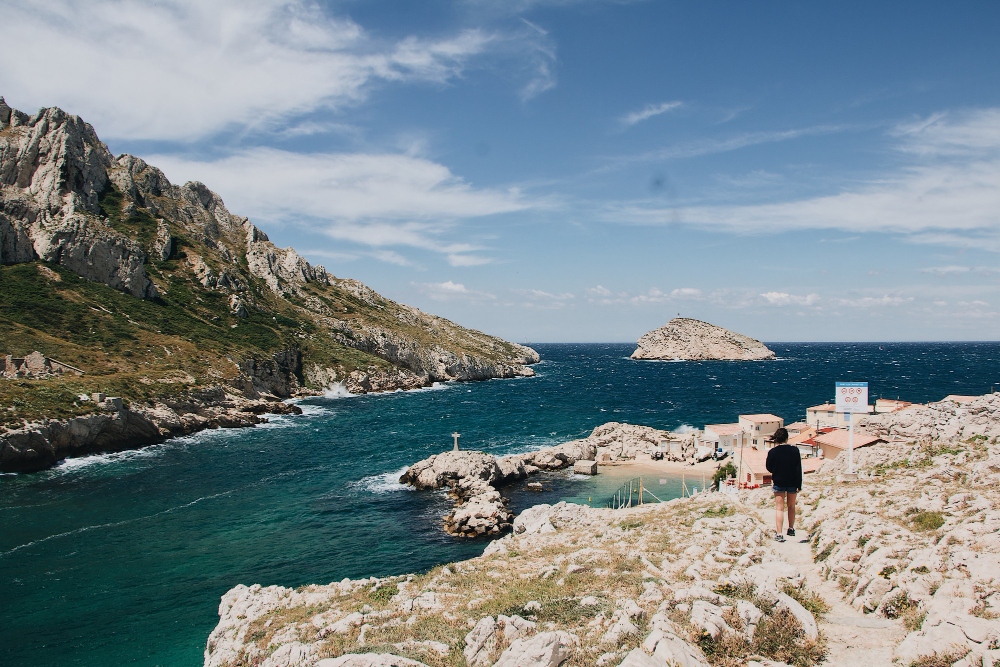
853 638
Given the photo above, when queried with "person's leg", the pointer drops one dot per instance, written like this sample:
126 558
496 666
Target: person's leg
790 503
779 510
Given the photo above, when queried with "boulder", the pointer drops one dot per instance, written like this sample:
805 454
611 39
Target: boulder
547 649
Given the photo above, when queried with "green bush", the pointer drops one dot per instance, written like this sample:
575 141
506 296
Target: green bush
925 521
725 472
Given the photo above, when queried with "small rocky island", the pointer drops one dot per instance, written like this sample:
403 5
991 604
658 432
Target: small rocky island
686 339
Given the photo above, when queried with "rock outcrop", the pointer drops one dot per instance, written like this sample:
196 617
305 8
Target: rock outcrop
908 557
693 340
198 272
40 445
474 477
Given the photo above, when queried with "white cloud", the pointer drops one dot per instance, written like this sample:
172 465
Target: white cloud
957 270
967 134
686 293
542 300
786 299
379 200
949 192
540 295
456 259
648 112
600 291
184 69
873 301
452 291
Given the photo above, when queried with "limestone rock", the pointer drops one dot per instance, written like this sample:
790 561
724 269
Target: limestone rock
369 660
448 468
693 340
547 649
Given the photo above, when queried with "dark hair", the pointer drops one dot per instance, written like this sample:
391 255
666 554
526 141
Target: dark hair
780 436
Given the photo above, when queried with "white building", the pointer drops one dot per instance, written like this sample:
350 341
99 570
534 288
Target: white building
826 416
727 437
759 428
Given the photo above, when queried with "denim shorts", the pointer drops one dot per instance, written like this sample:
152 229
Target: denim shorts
786 489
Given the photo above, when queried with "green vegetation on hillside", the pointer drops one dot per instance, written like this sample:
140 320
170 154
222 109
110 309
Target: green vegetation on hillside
139 349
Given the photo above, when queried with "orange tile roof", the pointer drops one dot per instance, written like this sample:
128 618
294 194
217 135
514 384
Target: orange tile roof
840 438
797 426
753 459
828 407
724 429
763 417
811 464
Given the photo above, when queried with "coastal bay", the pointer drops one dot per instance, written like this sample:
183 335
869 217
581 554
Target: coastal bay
122 559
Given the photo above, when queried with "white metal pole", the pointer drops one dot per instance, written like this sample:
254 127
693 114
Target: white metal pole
850 445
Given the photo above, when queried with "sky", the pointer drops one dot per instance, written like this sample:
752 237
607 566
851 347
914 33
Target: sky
573 171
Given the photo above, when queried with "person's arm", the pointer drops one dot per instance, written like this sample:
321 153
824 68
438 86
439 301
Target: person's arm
798 465
769 462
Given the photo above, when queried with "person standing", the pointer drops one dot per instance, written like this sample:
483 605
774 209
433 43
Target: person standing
784 462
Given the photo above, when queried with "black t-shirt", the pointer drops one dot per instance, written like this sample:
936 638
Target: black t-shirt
784 462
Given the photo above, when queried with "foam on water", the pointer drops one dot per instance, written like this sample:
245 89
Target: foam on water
338 390
76 464
387 482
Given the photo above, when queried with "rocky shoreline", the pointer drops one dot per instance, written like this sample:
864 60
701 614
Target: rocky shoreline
473 478
264 389
898 568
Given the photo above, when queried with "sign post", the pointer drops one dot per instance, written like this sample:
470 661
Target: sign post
851 397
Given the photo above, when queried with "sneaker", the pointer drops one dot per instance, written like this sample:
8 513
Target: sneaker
791 532
779 538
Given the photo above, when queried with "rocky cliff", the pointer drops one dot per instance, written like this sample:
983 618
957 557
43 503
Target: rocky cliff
693 340
156 290
898 568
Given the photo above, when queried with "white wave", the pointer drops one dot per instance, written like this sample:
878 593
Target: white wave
112 524
308 410
384 483
80 462
338 390
684 429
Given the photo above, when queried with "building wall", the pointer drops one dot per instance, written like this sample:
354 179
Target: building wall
757 433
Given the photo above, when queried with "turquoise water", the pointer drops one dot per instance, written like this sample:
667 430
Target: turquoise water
122 559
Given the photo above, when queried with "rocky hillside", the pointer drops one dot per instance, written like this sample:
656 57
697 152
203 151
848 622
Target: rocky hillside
160 294
693 340
898 568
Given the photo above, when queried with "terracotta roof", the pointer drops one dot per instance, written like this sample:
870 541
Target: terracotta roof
828 407
797 426
839 438
724 429
892 401
753 459
812 464
764 417
804 437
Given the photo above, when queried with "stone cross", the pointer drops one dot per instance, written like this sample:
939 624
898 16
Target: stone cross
455 435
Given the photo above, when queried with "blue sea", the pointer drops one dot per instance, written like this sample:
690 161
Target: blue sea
121 559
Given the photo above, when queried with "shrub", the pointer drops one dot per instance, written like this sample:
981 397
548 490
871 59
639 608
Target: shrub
939 659
824 554
925 521
812 601
725 472
887 571
719 512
